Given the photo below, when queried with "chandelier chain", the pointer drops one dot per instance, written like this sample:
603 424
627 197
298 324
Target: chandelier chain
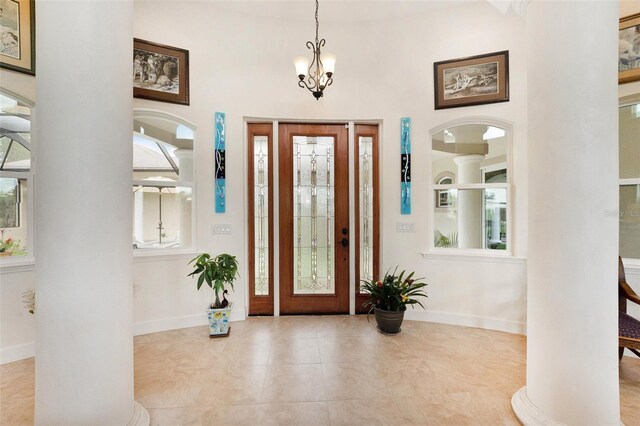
317 24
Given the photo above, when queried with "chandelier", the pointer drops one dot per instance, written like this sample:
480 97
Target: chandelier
318 75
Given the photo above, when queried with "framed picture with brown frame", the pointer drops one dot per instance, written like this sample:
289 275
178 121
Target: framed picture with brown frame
629 49
160 73
476 80
18 35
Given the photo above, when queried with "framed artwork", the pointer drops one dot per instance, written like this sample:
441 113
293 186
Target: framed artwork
629 49
442 199
476 80
160 73
18 35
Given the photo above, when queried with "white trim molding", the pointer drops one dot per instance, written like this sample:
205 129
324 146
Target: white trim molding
472 257
185 321
139 113
17 265
17 352
27 350
486 323
528 413
157 255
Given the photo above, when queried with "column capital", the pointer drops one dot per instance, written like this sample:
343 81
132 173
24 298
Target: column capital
468 159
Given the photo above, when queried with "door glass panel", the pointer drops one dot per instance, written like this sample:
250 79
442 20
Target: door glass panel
630 221
261 214
365 150
313 215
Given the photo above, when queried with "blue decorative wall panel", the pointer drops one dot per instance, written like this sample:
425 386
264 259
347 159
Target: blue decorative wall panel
405 165
220 188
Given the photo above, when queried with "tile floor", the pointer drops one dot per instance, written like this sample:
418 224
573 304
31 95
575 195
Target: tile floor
333 370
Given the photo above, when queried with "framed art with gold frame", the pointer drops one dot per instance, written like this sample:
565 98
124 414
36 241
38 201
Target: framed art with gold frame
18 35
629 49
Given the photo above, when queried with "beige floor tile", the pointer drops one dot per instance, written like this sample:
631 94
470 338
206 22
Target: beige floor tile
365 412
183 416
329 369
348 348
295 351
293 414
294 383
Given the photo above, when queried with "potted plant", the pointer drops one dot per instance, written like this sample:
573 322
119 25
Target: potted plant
389 298
217 272
8 246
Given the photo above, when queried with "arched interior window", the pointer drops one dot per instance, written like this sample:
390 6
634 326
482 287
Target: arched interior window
629 210
15 177
471 190
163 183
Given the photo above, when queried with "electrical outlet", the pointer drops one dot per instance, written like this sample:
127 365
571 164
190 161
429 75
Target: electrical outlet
220 228
405 227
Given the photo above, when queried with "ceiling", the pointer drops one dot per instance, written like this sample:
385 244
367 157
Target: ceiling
336 10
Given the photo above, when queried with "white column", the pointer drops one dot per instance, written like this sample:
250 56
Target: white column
572 366
185 164
138 220
469 201
82 133
495 225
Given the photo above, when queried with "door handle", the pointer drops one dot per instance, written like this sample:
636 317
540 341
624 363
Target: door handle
345 231
344 242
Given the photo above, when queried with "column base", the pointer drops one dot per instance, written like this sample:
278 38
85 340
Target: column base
140 416
528 413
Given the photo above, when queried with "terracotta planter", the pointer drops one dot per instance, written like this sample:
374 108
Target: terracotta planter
389 322
6 253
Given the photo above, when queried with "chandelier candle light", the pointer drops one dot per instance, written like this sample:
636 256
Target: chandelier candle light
319 73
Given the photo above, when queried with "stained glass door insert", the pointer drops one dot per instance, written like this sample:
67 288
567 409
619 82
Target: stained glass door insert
313 214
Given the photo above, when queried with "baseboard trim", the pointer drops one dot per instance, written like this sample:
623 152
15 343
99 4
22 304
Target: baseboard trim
27 350
185 321
16 353
467 321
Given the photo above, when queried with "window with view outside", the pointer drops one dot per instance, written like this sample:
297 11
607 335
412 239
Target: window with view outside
470 188
163 178
629 210
15 177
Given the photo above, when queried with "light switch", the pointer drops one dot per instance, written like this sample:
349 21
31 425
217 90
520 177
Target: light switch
405 227
220 228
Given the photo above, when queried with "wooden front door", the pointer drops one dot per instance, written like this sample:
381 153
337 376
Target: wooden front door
313 201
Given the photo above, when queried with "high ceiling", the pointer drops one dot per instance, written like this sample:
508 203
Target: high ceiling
337 10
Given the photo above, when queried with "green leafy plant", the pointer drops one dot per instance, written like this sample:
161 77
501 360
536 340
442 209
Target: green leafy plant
441 240
394 292
216 272
8 245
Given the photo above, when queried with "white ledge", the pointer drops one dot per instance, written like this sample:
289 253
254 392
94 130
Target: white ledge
158 255
487 258
17 265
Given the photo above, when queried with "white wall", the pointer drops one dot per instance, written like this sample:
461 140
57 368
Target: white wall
242 65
